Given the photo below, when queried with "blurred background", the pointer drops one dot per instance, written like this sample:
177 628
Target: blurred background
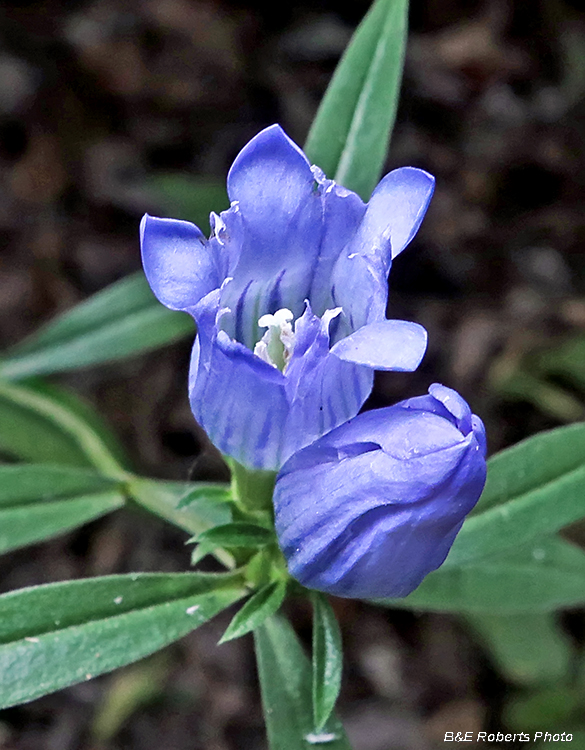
109 109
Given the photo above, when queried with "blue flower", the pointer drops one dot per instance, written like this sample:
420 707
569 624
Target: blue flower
374 506
289 295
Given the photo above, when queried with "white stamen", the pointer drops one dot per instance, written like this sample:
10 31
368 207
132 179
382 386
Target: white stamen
276 346
279 319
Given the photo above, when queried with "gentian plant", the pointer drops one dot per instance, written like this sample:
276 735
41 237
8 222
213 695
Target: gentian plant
289 296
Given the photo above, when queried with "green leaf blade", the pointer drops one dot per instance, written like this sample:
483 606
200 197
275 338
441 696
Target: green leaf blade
327 660
350 134
533 489
528 648
261 605
41 424
59 634
35 522
28 483
542 577
237 535
206 492
285 681
123 320
166 499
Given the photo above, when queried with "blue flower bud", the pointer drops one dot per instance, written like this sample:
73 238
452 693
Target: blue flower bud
368 510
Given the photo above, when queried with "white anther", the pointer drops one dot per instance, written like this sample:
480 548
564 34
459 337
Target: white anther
278 320
276 346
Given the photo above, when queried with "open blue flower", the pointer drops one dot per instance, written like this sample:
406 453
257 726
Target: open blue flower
370 509
306 259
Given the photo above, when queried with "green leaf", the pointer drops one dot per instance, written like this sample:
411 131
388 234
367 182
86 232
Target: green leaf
578 738
527 648
188 197
35 522
127 692
201 551
62 633
327 660
263 603
350 134
166 499
236 535
521 384
533 489
29 483
285 680
39 424
542 577
123 320
555 708
567 360
205 492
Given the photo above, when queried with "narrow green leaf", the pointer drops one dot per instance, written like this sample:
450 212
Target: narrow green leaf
542 577
533 489
166 499
205 492
39 425
566 360
84 411
131 689
120 321
236 535
29 483
578 738
285 680
201 551
327 660
527 648
555 708
350 134
532 463
263 603
35 522
62 633
521 384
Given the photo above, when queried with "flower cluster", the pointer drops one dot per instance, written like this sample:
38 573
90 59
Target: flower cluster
289 295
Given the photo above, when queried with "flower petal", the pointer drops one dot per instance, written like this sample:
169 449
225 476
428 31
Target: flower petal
385 345
392 218
343 210
396 209
179 265
281 214
323 392
238 399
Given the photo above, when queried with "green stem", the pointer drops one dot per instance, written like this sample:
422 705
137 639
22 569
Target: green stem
252 488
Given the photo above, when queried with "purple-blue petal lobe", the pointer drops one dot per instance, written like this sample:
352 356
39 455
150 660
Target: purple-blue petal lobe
398 204
370 509
385 345
280 229
343 212
392 218
178 264
245 425
273 185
